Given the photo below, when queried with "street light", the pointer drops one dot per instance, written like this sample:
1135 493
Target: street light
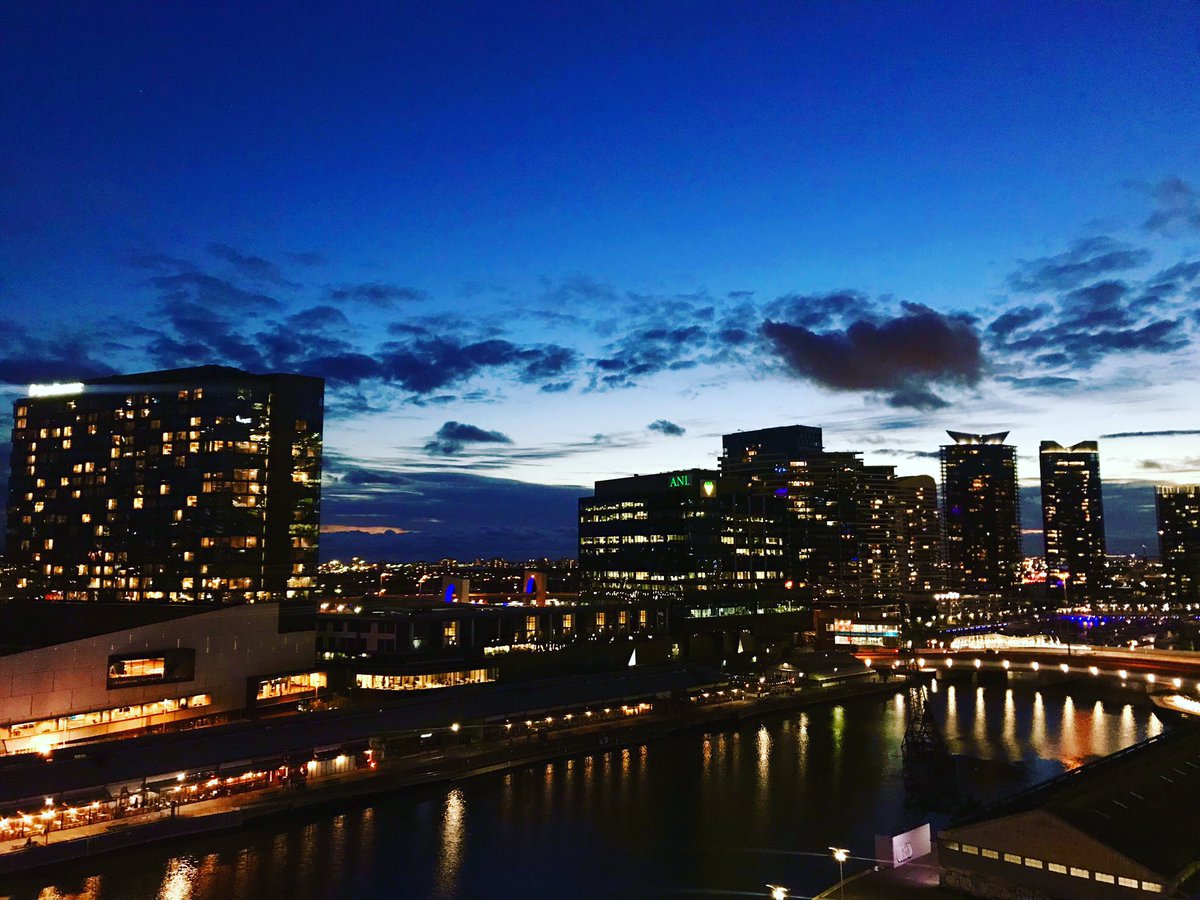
841 855
778 892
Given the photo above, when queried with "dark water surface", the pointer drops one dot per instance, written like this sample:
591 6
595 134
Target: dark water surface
691 815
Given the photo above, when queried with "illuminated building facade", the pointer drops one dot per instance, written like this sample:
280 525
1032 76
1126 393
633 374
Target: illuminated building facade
1178 509
1073 516
840 515
674 534
198 484
981 514
919 534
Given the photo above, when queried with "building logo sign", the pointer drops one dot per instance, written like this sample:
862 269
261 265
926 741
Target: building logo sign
681 481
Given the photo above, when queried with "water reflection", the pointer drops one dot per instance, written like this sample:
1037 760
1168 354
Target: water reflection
453 837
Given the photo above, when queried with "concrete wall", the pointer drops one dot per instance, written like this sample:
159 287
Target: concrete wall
232 645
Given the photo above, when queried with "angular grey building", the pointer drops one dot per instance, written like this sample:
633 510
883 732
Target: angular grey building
981 512
188 485
1178 509
1073 517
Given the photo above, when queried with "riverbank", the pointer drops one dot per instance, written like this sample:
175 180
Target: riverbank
411 771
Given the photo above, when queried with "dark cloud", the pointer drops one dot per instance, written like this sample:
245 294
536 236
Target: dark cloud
248 266
1016 319
902 356
909 454
670 429
452 437
384 296
1178 208
1090 258
355 475
1117 435
1185 271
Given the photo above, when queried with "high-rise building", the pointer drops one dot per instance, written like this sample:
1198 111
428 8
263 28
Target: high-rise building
1178 508
676 535
919 534
981 511
1073 517
198 484
840 514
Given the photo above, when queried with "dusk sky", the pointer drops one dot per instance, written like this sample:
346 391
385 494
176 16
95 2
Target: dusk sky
553 243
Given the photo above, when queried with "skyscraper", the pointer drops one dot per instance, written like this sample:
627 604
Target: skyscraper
840 514
1073 517
1178 509
198 484
981 511
919 534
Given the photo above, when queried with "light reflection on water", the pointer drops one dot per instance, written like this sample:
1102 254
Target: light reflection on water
603 824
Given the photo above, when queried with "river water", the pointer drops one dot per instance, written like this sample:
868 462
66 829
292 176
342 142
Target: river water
721 814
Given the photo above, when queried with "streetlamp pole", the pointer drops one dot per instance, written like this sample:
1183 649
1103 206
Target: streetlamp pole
841 855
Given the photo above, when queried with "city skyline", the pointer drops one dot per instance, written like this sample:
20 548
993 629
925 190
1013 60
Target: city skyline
523 263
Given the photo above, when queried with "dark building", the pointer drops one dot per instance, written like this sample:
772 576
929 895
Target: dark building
675 535
981 515
840 526
1073 517
1178 510
198 484
919 534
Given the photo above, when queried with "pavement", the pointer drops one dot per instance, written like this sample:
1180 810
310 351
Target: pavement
916 880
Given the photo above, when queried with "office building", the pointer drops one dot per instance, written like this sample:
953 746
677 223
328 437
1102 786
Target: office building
981 513
919 534
840 521
1178 509
198 484
1073 517
674 535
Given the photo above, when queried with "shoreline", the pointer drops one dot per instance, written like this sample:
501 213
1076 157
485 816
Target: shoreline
226 814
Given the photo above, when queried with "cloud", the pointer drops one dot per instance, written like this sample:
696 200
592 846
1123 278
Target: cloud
821 310
670 429
1118 435
308 258
253 267
31 357
453 437
1087 259
158 262
384 296
427 365
1046 383
213 293
1178 207
903 356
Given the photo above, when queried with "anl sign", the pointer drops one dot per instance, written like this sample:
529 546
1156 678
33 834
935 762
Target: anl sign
681 481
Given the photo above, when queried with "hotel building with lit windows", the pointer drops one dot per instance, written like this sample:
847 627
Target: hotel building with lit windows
188 485
1073 517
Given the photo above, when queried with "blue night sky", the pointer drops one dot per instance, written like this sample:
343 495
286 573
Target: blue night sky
534 245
